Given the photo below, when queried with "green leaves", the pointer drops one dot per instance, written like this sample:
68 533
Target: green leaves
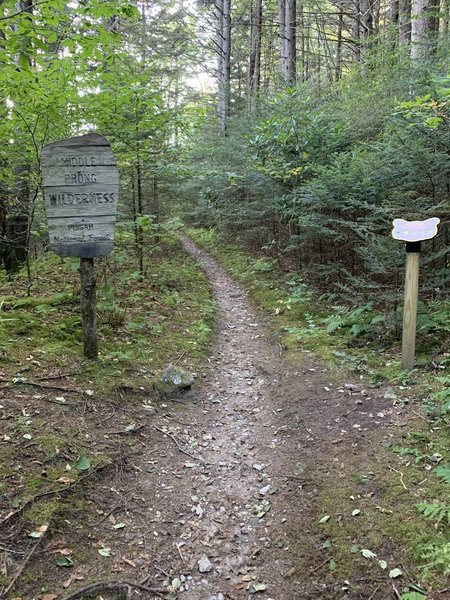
64 561
83 463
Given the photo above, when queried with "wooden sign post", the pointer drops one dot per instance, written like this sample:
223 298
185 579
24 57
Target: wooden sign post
81 191
413 233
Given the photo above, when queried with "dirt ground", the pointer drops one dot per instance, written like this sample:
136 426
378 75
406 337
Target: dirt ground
216 494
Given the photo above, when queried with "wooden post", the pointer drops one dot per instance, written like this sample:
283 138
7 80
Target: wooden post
410 304
412 232
89 307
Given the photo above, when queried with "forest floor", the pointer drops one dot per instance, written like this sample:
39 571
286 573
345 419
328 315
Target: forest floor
266 480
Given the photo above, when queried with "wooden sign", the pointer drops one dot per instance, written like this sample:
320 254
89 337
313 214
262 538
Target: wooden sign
81 191
415 231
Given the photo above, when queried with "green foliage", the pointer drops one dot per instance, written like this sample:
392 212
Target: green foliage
438 511
443 472
437 557
313 180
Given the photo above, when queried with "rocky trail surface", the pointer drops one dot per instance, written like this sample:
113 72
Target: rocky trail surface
219 493
227 493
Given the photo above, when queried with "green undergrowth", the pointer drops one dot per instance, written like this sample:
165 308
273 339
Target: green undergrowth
391 513
68 422
391 508
340 333
143 323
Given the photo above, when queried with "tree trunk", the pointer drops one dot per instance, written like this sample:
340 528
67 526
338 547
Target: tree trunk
424 28
302 41
338 72
140 212
254 71
404 22
444 19
223 8
356 31
282 34
291 42
367 19
287 15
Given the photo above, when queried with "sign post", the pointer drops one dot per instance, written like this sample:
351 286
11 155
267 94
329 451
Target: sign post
412 232
81 191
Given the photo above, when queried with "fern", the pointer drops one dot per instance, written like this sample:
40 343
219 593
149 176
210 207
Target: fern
444 473
438 511
437 557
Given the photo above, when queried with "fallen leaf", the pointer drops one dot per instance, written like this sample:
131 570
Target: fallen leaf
105 552
39 532
83 463
64 561
368 553
119 526
65 480
356 512
256 587
176 584
383 564
395 573
324 519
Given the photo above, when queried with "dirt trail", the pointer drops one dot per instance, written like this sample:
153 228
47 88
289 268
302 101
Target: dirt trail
219 492
231 494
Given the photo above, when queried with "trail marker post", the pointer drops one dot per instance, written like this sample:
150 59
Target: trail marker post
81 191
413 233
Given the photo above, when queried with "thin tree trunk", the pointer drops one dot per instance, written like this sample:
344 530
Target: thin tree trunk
302 41
254 74
291 42
139 207
357 31
287 16
424 30
444 19
283 35
404 22
338 72
224 61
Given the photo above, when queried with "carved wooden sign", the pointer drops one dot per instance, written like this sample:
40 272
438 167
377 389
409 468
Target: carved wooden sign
415 231
81 190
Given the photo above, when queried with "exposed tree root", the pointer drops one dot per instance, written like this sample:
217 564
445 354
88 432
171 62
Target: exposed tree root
126 586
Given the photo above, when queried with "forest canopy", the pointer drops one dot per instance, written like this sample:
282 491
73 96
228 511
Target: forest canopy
300 129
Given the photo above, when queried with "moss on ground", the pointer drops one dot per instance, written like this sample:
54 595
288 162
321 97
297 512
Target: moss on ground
61 410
